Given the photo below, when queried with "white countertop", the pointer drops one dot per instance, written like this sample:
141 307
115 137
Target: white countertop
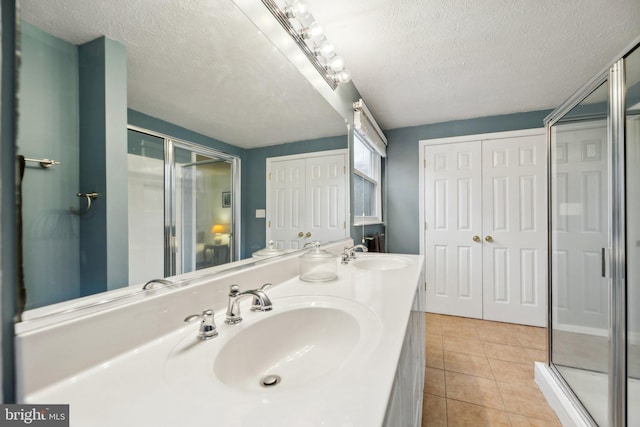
134 388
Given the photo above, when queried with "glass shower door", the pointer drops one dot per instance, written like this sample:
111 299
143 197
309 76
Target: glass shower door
202 210
580 229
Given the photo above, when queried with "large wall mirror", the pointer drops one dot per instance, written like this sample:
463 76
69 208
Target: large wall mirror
121 92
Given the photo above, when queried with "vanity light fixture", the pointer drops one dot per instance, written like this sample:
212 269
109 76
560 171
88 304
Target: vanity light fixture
308 35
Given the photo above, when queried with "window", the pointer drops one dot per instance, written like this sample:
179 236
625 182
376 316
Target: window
366 183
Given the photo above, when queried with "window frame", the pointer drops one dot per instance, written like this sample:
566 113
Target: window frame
375 180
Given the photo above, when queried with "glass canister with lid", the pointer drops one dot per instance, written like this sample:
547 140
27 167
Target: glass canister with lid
318 265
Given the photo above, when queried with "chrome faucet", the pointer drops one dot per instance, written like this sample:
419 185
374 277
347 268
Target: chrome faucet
256 305
350 253
261 300
207 326
164 282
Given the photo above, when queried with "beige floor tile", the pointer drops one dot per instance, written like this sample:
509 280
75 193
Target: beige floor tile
434 382
466 414
526 401
435 358
468 364
536 355
508 353
434 329
471 389
463 345
455 330
534 338
434 342
513 373
434 411
461 321
497 335
501 326
522 421
432 318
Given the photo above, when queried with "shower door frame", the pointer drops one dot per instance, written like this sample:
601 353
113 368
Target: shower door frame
615 256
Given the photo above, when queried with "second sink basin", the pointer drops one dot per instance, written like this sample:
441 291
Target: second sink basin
380 262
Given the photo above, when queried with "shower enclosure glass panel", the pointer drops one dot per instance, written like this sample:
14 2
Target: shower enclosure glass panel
579 224
632 148
145 162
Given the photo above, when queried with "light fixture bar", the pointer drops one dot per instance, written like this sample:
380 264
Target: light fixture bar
282 18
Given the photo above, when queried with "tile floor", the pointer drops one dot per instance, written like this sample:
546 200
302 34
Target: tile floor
480 373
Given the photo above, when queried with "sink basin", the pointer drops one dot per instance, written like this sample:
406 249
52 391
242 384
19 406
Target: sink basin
298 345
301 342
381 262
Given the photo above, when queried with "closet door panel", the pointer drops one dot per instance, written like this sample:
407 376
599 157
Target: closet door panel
514 210
326 198
286 203
453 207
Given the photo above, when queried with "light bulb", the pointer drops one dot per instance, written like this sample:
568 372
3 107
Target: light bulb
312 32
336 64
300 10
327 50
343 76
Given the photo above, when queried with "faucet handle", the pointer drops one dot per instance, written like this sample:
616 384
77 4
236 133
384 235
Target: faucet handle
255 304
234 290
207 326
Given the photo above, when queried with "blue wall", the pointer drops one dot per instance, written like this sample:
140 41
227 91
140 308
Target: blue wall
48 128
254 229
402 169
104 236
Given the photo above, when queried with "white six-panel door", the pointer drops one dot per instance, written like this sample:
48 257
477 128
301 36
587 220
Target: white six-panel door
515 232
485 228
453 189
307 198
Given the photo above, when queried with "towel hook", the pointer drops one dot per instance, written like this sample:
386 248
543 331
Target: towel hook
89 197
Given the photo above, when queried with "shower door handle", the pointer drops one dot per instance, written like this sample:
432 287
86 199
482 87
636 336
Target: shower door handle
604 262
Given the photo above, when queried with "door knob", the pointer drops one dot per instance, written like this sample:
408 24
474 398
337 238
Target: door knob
300 234
308 234
476 238
489 239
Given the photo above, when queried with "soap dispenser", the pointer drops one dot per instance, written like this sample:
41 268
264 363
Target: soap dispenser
318 265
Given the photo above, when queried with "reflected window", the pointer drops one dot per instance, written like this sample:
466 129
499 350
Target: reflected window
366 183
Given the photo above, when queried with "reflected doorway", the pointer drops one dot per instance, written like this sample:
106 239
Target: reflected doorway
183 202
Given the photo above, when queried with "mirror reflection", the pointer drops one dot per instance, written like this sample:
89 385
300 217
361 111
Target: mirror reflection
169 116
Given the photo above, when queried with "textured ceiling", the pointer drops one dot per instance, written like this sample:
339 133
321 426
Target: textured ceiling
203 65
199 64
418 62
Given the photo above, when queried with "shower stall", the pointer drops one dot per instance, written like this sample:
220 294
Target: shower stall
594 249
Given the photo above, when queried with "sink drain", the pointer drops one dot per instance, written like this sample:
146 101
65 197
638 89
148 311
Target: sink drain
270 380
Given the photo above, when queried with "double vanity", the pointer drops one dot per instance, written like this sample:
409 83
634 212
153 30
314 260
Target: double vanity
348 352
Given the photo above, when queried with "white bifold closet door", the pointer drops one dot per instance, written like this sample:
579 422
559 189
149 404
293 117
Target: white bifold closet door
306 198
485 238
